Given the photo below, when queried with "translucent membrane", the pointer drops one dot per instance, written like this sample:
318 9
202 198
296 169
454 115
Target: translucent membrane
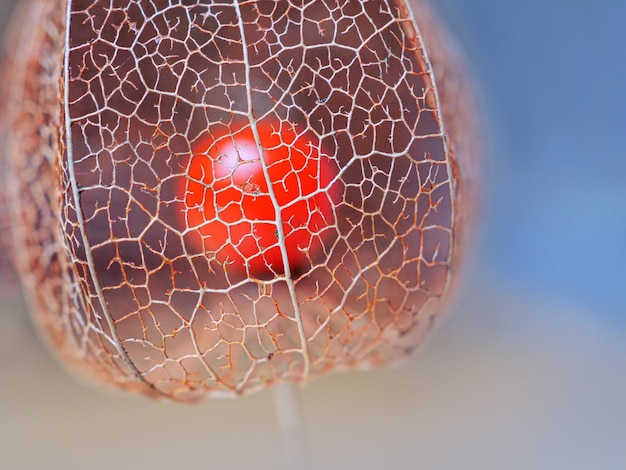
207 198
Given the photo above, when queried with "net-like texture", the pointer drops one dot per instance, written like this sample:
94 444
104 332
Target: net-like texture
130 280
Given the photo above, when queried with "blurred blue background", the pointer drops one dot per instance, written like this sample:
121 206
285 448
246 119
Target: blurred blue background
529 372
553 80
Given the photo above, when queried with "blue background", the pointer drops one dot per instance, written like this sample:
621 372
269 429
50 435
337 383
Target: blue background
553 80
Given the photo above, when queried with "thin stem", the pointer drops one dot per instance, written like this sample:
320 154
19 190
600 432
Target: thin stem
291 422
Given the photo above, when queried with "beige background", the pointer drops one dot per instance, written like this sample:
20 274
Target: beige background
512 381
494 389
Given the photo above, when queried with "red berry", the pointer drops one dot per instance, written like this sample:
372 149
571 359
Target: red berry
228 199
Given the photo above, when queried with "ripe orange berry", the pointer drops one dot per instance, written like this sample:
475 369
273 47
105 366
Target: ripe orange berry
229 200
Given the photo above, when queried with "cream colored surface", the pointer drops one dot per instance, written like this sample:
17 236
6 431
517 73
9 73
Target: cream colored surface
504 385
